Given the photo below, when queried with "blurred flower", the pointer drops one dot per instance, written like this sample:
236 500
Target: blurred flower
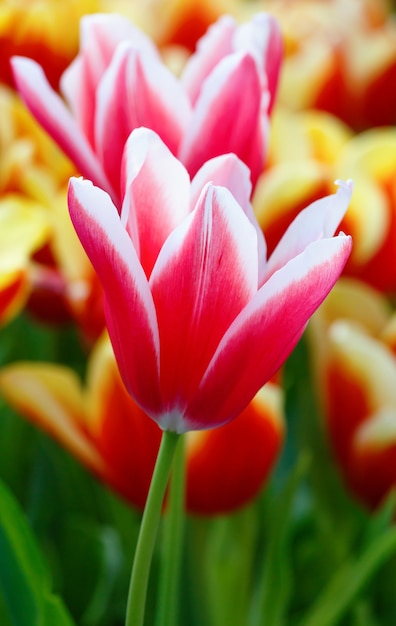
192 305
353 341
31 171
23 229
118 82
177 22
53 277
340 57
46 31
103 427
370 158
31 164
300 168
66 288
308 150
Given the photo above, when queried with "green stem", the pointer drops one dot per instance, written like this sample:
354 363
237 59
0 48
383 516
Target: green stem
148 531
167 612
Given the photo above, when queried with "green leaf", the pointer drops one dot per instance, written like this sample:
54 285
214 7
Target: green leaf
349 581
90 559
275 585
229 566
381 519
24 581
54 613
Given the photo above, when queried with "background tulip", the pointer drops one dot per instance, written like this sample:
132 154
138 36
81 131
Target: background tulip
104 429
352 340
323 148
118 83
350 76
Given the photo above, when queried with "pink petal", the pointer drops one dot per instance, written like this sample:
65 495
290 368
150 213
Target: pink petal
100 35
158 194
112 120
130 312
204 276
135 91
229 171
50 111
225 119
318 221
263 39
266 331
211 48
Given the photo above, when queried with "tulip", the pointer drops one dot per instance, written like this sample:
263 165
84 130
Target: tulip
101 425
366 443
371 156
307 151
198 318
352 339
351 75
299 170
118 82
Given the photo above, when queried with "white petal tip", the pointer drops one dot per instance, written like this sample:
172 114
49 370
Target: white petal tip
345 184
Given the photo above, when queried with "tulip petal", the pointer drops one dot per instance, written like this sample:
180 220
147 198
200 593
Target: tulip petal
204 276
227 466
229 171
100 35
51 112
50 396
225 120
263 39
14 288
158 197
266 331
126 438
211 48
318 221
129 307
136 91
366 361
225 170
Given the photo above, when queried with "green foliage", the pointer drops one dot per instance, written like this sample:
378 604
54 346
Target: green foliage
24 581
303 554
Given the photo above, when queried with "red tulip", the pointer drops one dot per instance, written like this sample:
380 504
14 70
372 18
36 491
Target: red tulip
196 336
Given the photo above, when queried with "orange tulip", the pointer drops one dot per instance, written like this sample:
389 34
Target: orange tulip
340 58
308 150
370 159
46 31
180 22
353 339
103 428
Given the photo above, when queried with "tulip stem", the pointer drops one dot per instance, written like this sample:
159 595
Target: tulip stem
171 556
148 531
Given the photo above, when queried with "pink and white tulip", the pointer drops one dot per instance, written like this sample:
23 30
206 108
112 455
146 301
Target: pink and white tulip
198 318
118 82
